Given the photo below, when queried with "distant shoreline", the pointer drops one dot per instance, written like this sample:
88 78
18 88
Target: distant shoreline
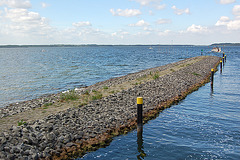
96 45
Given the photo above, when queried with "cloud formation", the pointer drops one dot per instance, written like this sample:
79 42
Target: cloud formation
152 3
230 24
164 21
233 24
236 10
22 23
82 24
16 3
24 26
126 12
180 11
139 24
227 1
223 21
44 5
197 29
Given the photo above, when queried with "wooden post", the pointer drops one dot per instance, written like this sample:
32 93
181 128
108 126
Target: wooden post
212 74
139 114
220 66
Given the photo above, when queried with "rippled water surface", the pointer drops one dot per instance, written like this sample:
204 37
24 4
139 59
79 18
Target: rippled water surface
205 125
27 73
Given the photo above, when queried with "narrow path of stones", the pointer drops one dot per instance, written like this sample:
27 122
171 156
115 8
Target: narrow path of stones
78 129
39 108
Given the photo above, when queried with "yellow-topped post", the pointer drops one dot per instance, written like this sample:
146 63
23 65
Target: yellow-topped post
212 74
221 66
139 114
225 57
139 100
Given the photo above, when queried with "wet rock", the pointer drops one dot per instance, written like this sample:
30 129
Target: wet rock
70 144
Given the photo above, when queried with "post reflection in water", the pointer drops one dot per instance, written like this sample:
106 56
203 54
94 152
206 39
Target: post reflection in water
211 94
140 148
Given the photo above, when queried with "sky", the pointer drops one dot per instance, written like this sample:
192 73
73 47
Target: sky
119 22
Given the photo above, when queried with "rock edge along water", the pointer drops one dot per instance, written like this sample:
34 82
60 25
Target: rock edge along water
75 131
39 108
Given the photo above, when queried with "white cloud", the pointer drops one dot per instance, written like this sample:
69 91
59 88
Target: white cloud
223 21
16 3
152 3
230 24
126 12
236 10
197 29
164 33
147 29
85 35
44 5
234 25
82 24
139 24
120 34
227 1
163 21
22 21
160 7
180 11
144 2
22 15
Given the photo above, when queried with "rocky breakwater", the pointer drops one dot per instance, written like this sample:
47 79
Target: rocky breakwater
72 132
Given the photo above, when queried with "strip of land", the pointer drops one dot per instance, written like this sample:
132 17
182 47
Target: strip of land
69 124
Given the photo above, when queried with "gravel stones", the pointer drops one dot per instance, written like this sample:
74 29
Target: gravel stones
41 138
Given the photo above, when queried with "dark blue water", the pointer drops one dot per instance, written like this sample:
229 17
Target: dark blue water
205 125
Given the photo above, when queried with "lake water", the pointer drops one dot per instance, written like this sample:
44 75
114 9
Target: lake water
27 73
205 125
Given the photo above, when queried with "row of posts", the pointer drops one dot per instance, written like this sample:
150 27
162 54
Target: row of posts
222 61
140 112
140 99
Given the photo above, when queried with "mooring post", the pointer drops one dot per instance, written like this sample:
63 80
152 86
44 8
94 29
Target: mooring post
223 61
225 57
220 66
212 74
139 114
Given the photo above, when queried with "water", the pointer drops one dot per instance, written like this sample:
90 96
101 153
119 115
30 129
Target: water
27 73
205 125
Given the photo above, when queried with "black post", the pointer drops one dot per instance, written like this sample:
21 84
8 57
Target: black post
212 74
220 66
139 114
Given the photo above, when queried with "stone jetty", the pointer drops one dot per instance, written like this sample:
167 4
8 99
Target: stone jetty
67 125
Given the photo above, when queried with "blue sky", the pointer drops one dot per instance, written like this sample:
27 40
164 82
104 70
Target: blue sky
198 22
